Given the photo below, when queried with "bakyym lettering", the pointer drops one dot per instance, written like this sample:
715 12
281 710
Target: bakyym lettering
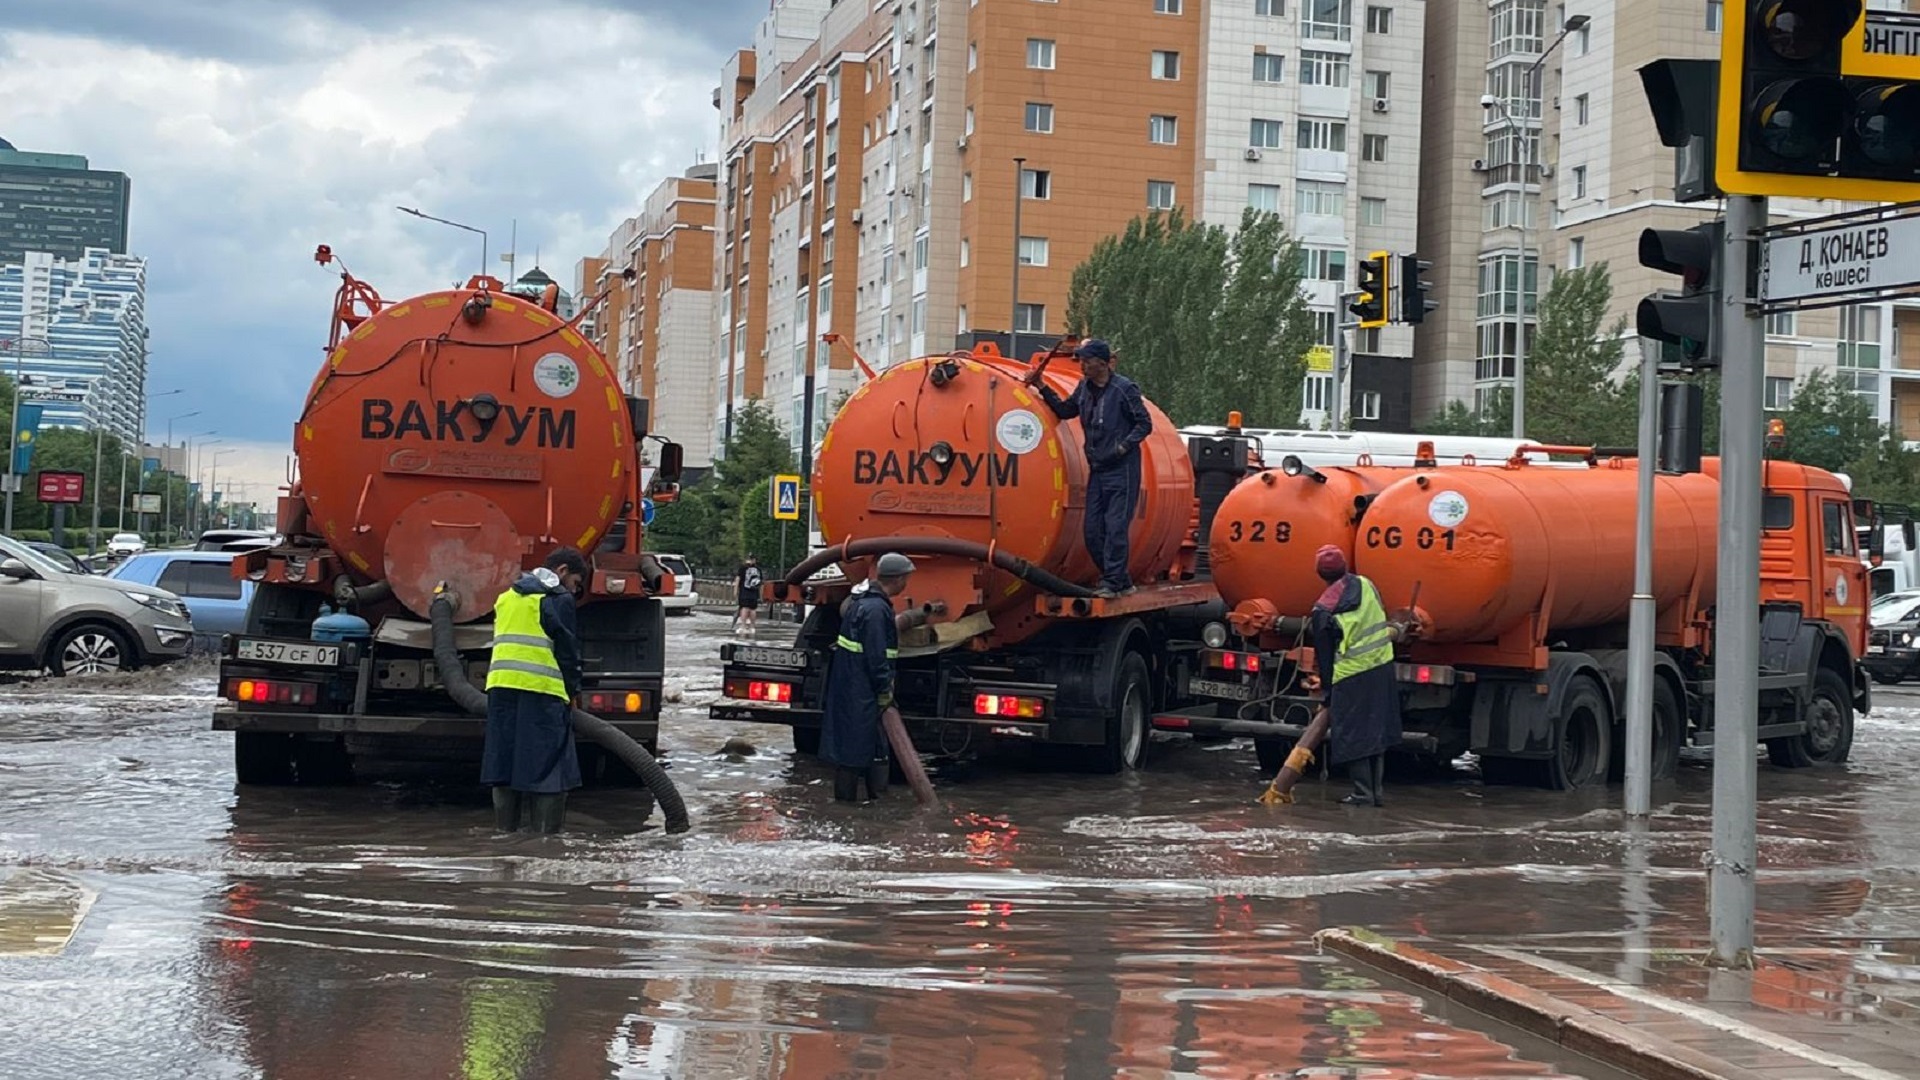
872 467
450 422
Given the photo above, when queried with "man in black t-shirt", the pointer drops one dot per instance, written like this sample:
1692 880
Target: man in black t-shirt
747 585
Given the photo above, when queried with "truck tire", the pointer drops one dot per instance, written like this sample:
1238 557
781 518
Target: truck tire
1129 725
323 763
1582 739
1829 735
1669 735
1272 754
263 758
806 740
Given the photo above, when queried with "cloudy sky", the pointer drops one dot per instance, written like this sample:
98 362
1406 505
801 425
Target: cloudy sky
255 130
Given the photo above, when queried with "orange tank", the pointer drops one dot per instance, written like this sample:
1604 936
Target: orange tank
956 447
1526 552
1270 525
458 436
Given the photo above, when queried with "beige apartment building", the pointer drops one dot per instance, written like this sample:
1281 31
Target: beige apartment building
1560 160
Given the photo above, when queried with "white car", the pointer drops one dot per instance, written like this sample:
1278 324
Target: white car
125 544
684 598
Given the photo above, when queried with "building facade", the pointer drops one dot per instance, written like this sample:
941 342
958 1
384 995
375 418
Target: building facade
75 332
56 203
873 158
1539 166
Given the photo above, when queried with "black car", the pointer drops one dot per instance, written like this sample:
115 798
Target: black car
67 560
1892 653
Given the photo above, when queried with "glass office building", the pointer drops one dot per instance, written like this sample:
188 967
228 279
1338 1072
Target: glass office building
55 203
75 332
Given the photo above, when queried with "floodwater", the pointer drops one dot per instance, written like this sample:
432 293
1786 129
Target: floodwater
156 922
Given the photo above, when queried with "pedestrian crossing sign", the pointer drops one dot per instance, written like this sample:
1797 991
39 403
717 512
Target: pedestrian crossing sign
786 498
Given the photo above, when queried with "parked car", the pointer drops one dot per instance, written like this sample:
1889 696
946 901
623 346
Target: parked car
82 624
204 579
68 561
125 544
233 539
684 597
1893 642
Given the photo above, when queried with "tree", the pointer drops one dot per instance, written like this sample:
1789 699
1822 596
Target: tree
1494 420
1572 398
705 523
1829 426
1204 321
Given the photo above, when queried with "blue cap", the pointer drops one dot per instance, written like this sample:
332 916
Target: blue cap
1093 349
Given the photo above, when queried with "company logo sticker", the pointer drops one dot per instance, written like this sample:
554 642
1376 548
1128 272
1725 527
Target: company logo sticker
556 375
1840 588
1448 508
1018 430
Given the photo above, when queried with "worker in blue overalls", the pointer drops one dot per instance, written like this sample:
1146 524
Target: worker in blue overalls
1113 417
860 682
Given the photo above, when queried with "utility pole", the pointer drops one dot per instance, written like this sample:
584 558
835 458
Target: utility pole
1013 311
1336 401
1642 613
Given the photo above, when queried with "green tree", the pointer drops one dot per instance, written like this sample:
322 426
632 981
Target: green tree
1829 426
1572 398
1494 420
705 523
1205 321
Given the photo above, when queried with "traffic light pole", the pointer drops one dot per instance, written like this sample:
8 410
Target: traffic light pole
1736 645
1336 402
1642 613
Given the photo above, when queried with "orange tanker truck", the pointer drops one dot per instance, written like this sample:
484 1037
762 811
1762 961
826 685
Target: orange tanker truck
449 442
1520 580
952 461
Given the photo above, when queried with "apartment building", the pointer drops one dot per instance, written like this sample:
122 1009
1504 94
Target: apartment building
874 157
1540 163
76 332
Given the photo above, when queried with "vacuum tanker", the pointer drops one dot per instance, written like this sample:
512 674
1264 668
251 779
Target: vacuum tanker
449 442
955 462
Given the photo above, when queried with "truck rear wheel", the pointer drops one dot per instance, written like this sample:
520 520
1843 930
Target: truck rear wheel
1829 735
263 758
1669 735
1127 728
1582 739
806 740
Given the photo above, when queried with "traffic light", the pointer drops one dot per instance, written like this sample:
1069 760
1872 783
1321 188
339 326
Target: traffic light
1683 95
1410 303
1817 101
1371 304
1684 318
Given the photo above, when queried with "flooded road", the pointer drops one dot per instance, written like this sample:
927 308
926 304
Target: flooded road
156 922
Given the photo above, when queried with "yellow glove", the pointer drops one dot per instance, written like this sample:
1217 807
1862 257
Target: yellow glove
886 700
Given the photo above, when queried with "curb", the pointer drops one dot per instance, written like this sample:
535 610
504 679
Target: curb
1574 1027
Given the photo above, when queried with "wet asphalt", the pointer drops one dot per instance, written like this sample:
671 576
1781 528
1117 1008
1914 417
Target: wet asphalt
156 921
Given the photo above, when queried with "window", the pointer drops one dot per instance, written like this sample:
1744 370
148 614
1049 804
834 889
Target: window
1501 287
1323 264
966 252
1367 340
1319 197
1379 20
1264 134
1838 526
919 253
1317 394
1323 69
1159 194
1269 67
1036 184
919 314
1582 110
1033 251
1376 85
1040 53
1327 20
1166 65
1368 405
973 56
1276 9
1716 14
1322 135
962 322
1517 26
1264 197
1576 253
1783 324
1779 393
1164 130
1373 211
966 186
1373 148
1516 84
1040 117
1324 327
1166 7
968 123
1579 181
1776 512
1030 319
200 580
1583 40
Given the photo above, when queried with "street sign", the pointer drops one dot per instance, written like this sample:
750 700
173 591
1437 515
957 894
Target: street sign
63 487
146 504
646 511
1842 260
786 498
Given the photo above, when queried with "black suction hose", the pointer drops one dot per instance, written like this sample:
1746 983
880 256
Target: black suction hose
937 545
464 694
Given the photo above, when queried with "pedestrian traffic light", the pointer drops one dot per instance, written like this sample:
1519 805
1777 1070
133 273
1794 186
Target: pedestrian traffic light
1684 318
1410 303
1371 304
1818 99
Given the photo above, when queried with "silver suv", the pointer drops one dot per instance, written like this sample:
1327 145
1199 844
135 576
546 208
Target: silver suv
77 624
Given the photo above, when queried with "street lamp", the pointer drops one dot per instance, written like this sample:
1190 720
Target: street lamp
213 485
1529 161
193 473
166 516
455 224
142 450
13 424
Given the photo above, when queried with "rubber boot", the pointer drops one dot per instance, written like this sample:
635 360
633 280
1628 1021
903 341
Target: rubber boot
1367 774
548 813
877 779
846 784
506 809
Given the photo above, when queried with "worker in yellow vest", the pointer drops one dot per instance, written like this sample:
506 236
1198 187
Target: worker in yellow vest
531 682
1353 655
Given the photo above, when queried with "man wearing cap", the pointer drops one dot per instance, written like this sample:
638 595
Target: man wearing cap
860 682
1353 654
1113 419
532 678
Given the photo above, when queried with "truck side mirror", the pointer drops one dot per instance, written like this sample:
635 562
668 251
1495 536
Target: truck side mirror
672 458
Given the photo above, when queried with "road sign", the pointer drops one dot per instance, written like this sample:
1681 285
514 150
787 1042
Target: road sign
1836 262
63 487
646 511
146 504
786 498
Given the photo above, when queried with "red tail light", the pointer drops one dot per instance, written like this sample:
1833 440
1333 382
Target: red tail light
1008 705
271 692
1231 661
614 701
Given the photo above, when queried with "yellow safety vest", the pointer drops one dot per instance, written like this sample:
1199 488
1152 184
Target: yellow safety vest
522 652
1366 638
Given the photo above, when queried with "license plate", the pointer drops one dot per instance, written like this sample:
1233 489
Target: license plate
784 658
1876 649
1230 691
286 652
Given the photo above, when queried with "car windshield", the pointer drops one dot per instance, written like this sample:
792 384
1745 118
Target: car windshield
13 549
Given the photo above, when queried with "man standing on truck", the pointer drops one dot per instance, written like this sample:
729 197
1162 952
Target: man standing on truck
747 585
1113 417
531 682
1353 655
860 683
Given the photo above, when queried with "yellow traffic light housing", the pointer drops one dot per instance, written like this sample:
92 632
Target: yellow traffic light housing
1371 305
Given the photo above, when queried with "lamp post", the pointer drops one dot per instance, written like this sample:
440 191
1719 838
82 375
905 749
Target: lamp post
213 484
142 449
166 516
193 473
455 224
13 424
1529 161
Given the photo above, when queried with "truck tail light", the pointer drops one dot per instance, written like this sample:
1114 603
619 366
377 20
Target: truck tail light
1008 705
1232 661
614 701
774 693
271 692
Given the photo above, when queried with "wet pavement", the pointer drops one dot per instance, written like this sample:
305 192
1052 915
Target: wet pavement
156 922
